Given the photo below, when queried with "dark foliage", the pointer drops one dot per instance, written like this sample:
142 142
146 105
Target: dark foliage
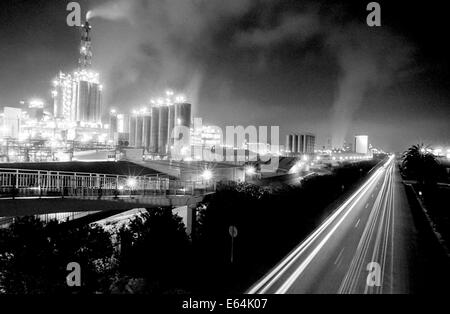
154 248
421 165
34 256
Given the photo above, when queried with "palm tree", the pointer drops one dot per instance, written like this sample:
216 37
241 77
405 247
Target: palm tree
420 164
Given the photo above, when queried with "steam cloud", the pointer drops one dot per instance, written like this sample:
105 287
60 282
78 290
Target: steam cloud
167 43
368 60
158 44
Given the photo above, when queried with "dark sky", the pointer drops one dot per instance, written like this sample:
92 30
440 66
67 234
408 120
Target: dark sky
305 66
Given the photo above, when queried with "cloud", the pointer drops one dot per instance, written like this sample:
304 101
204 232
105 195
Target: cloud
292 27
156 44
369 59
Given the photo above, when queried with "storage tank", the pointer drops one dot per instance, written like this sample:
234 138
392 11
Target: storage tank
163 130
147 131
295 143
139 130
83 101
133 130
154 130
183 114
289 143
93 106
183 117
171 124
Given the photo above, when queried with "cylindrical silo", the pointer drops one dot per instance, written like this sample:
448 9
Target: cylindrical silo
171 124
183 114
155 130
139 130
147 131
183 118
295 144
133 119
163 130
289 142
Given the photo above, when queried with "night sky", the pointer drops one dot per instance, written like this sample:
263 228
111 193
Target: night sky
304 66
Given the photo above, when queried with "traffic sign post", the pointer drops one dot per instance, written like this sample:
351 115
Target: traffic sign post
233 233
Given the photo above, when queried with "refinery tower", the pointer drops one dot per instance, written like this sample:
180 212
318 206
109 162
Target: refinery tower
77 96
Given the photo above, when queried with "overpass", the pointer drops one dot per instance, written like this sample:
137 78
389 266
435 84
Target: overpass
25 192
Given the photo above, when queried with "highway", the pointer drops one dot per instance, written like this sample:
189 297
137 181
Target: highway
374 225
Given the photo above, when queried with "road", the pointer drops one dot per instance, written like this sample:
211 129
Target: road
374 225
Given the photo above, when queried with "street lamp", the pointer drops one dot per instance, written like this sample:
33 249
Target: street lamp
131 182
250 170
207 174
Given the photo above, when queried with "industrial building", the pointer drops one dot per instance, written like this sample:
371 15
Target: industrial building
152 129
77 97
300 143
361 144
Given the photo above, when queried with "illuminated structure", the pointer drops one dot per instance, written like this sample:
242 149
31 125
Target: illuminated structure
205 135
300 143
361 144
77 96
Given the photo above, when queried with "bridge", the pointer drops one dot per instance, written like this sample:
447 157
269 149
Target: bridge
25 192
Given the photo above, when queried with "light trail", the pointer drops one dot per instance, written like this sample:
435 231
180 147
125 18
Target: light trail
267 281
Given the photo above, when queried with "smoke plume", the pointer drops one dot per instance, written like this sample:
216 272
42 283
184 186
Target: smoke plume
175 43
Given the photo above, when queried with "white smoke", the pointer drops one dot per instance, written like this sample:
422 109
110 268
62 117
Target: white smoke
368 60
158 44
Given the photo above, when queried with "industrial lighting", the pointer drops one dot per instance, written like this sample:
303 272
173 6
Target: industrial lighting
207 174
131 182
250 170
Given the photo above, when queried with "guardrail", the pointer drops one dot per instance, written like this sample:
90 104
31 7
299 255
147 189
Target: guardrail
22 183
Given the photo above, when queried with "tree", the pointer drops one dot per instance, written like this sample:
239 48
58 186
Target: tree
34 256
420 164
155 247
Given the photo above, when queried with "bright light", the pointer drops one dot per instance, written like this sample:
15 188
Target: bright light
36 103
113 111
180 99
120 187
305 158
250 170
318 158
131 182
437 151
207 174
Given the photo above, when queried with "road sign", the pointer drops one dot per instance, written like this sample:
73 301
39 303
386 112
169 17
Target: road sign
233 231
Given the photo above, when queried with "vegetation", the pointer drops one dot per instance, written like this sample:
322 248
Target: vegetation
154 250
34 256
420 164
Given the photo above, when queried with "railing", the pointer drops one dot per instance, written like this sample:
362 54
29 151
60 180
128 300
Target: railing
43 183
